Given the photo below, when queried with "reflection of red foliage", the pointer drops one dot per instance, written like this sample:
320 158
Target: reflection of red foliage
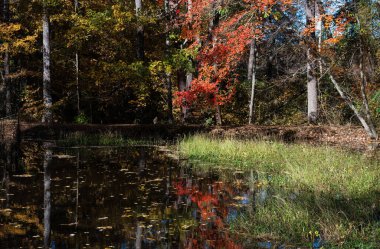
212 229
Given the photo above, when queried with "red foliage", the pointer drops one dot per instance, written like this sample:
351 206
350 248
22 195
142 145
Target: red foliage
221 48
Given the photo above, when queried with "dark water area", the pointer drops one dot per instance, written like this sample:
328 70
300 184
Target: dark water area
126 197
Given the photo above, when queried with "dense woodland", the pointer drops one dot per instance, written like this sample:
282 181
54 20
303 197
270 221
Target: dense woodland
191 61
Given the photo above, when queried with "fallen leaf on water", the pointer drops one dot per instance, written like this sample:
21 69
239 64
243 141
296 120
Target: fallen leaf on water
104 228
23 176
63 156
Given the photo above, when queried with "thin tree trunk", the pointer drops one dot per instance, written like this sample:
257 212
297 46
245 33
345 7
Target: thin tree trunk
213 23
47 196
47 115
182 86
319 31
167 74
250 60
253 79
76 5
7 81
363 86
312 93
140 32
353 108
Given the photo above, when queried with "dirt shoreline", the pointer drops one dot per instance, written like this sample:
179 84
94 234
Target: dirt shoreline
348 136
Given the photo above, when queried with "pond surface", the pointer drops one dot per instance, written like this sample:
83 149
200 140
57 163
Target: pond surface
127 197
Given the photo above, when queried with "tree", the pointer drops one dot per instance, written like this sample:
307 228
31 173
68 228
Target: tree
312 91
6 75
48 102
140 32
252 77
76 8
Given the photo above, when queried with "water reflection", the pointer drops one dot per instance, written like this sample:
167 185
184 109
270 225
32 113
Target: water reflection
47 194
116 198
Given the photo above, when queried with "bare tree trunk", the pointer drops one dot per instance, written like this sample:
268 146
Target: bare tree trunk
47 196
252 61
319 11
363 86
76 6
47 116
312 93
353 108
167 74
7 80
140 32
213 23
182 86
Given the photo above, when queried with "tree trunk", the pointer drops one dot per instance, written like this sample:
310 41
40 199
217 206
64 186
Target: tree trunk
252 61
168 79
213 23
182 86
7 83
7 80
363 86
47 116
349 102
76 6
319 12
312 93
140 32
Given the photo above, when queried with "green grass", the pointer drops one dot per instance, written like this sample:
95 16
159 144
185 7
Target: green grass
337 192
102 139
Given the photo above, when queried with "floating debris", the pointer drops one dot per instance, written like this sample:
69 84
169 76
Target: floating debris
104 228
23 176
63 156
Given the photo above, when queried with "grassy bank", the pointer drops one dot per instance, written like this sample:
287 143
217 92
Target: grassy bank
102 139
314 190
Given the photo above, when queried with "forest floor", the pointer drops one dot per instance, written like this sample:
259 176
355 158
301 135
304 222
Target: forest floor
350 137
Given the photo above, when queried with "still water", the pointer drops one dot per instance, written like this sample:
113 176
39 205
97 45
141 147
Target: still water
126 197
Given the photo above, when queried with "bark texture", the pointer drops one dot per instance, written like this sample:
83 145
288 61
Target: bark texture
312 92
47 116
252 67
140 32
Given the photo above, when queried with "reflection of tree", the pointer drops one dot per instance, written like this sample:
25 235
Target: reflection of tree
138 236
47 194
212 207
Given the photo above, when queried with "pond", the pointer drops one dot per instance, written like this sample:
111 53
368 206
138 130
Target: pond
121 197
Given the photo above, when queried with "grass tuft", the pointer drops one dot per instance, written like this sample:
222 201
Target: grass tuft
102 139
314 190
